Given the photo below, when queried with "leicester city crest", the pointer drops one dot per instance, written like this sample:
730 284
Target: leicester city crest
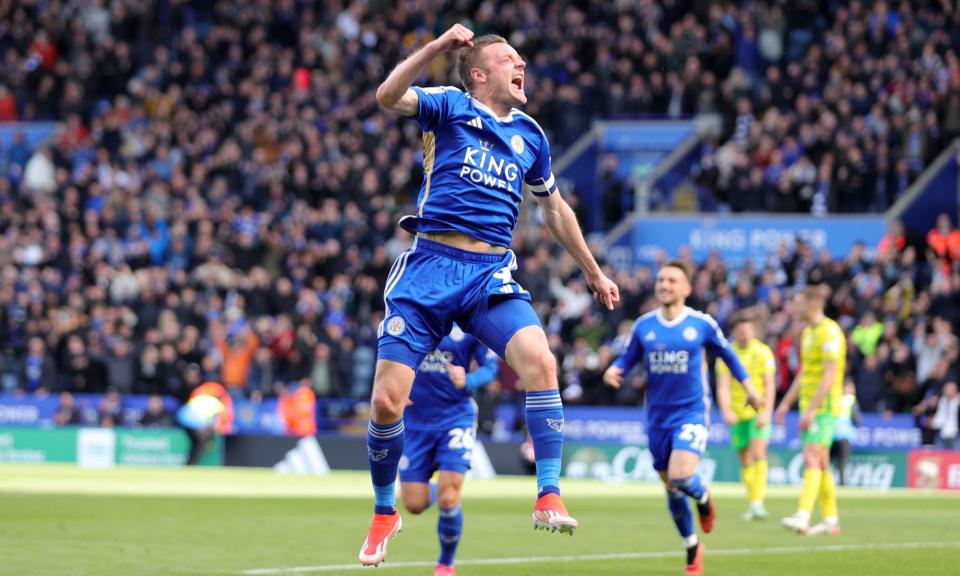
396 326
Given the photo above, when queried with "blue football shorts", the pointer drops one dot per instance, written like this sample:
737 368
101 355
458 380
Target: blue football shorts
688 433
425 451
433 285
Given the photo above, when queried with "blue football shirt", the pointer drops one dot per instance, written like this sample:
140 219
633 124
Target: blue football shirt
475 165
436 403
672 352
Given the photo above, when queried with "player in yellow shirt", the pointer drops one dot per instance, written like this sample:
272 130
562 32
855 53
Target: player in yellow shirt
819 383
749 429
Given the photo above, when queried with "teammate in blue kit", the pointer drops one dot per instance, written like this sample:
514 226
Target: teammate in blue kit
670 342
480 152
440 433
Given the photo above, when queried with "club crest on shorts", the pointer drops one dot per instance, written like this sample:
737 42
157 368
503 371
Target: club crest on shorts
404 462
396 326
377 455
556 425
517 144
690 333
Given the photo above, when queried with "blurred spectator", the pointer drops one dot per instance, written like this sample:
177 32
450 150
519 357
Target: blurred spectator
109 410
946 419
67 412
39 173
8 105
38 374
944 242
322 375
237 352
867 334
156 415
298 409
869 378
121 367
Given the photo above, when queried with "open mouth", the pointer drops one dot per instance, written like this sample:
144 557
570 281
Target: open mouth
517 82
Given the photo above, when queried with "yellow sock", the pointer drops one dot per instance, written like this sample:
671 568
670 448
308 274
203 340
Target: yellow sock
828 496
760 480
811 487
749 476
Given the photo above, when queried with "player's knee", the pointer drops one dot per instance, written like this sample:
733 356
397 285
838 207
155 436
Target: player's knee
415 505
386 402
812 459
680 484
449 497
385 407
540 370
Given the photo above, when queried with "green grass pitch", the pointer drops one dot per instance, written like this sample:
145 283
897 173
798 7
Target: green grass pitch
61 520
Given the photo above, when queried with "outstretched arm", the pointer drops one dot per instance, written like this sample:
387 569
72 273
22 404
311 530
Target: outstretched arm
614 374
395 93
716 341
562 224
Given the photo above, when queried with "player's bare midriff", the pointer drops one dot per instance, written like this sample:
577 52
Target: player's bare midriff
462 241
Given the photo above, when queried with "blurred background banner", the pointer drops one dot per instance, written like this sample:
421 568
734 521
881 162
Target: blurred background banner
102 447
628 426
739 239
29 410
866 469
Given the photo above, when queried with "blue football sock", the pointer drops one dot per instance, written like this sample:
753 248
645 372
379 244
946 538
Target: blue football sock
384 449
449 528
680 510
545 424
691 486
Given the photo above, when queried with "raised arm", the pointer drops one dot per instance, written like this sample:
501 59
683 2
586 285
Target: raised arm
395 93
560 220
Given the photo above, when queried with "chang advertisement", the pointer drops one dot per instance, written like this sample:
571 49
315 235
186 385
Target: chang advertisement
869 469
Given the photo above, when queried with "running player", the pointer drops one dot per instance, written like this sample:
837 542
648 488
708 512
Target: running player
479 154
819 383
670 342
749 428
440 432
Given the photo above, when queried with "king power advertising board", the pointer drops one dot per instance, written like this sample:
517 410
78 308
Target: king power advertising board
740 238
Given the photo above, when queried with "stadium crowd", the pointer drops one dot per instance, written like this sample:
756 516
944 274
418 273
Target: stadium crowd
220 203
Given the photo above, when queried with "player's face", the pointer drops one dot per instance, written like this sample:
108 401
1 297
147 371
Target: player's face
743 332
504 69
672 286
800 307
807 308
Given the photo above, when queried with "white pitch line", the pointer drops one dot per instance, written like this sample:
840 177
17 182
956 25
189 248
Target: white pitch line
621 556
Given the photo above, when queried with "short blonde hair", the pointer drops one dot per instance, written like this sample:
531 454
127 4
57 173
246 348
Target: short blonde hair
469 58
